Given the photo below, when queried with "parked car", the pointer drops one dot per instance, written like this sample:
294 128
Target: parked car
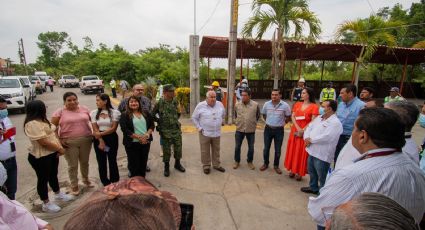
31 89
43 80
68 81
35 80
91 83
14 91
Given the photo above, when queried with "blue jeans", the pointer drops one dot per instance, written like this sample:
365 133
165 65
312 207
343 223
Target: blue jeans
269 135
250 138
12 177
318 170
343 139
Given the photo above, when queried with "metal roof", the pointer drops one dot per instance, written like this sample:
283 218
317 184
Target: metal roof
217 47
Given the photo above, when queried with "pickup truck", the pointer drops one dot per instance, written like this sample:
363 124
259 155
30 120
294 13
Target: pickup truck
91 83
68 81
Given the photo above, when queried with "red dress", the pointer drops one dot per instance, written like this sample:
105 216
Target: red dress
296 155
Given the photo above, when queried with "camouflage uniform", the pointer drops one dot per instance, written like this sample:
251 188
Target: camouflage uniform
166 114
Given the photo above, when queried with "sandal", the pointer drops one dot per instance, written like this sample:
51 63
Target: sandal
291 175
88 184
75 191
298 177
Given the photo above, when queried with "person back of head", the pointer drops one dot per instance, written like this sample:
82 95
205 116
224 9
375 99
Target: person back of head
407 111
378 127
371 211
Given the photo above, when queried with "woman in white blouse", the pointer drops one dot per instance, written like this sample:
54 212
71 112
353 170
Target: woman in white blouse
105 122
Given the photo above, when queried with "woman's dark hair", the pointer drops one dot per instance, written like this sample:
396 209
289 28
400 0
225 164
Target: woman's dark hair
310 93
128 110
68 94
384 126
36 110
104 97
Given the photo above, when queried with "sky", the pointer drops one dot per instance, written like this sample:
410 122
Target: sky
138 24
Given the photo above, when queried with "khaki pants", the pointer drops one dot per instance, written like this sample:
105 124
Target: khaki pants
78 151
210 149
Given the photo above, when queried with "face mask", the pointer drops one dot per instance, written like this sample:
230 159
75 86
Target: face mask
3 113
321 110
422 120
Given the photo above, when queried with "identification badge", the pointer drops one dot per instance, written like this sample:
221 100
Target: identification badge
12 147
300 118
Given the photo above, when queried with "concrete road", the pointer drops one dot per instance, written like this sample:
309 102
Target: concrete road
236 199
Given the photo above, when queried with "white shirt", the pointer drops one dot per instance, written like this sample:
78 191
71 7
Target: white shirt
324 135
395 176
105 123
5 149
209 119
348 154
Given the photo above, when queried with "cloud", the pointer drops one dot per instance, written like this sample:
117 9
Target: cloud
137 24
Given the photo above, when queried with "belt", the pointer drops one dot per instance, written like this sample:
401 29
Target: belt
274 127
7 160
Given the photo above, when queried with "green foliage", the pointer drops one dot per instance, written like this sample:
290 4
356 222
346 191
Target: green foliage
51 44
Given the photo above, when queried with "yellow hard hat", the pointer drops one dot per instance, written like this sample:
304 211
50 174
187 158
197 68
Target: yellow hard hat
215 83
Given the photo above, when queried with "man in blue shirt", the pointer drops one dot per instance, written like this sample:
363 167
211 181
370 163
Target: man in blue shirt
275 112
347 112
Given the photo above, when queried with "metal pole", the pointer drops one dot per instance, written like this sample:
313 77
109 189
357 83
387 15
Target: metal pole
233 40
194 17
194 72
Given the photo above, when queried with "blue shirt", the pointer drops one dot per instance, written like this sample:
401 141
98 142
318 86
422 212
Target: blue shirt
347 113
275 115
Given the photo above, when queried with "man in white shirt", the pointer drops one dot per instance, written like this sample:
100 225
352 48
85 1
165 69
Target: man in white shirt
321 137
208 117
378 135
8 150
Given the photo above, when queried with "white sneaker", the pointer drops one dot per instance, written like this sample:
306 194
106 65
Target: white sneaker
64 197
50 207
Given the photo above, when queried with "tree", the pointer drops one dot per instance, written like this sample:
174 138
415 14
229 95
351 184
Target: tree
51 44
370 33
285 16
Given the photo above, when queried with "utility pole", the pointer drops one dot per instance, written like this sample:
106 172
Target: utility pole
194 66
233 42
21 52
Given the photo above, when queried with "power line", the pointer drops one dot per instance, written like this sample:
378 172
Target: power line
209 18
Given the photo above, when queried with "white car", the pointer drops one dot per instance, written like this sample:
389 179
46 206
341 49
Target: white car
16 93
27 81
68 81
91 83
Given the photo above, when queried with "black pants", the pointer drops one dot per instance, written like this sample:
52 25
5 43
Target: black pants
12 177
51 88
103 158
114 92
46 169
137 156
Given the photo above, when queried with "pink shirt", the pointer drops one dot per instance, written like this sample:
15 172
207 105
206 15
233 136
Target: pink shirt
74 123
13 215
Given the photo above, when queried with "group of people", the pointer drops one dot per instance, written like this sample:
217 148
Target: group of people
370 147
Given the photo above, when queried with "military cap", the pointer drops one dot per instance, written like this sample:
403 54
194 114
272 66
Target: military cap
168 88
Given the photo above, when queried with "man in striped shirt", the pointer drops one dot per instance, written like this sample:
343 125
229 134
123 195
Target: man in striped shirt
379 136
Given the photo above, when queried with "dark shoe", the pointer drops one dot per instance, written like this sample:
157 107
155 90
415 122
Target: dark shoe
277 170
291 175
166 169
308 190
264 167
298 177
207 170
179 167
148 169
219 168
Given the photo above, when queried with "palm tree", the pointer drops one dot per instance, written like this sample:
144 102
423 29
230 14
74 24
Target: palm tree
370 33
284 16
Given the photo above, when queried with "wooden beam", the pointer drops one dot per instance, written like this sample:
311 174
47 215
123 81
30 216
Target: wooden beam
240 77
247 70
354 72
321 75
299 69
208 72
403 78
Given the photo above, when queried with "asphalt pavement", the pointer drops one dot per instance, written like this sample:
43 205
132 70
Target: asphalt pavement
236 199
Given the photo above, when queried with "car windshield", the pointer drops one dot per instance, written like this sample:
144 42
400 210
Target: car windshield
43 78
68 77
26 81
9 83
90 78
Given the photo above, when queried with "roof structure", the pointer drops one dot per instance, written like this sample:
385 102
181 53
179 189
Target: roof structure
217 47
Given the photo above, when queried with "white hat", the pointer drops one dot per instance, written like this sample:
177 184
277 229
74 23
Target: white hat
244 81
3 174
302 80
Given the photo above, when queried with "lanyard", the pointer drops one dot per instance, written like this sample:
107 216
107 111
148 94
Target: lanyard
378 154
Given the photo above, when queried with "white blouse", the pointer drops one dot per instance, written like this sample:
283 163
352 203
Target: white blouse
105 123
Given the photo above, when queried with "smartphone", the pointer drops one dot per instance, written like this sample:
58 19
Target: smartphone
187 216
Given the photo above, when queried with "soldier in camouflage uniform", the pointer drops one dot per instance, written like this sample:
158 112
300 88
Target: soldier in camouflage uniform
166 114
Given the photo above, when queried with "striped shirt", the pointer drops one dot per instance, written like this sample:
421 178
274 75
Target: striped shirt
395 176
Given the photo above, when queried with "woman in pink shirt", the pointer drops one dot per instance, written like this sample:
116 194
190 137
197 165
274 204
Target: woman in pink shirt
75 134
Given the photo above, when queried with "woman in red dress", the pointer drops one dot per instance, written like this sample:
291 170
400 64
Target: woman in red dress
303 113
